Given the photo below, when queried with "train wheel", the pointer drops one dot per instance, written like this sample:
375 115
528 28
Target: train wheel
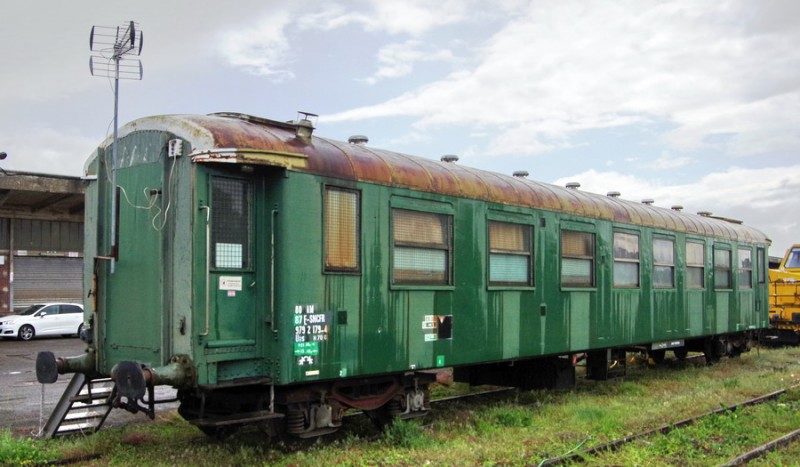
713 349
656 357
383 416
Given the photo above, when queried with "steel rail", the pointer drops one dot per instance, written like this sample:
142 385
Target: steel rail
616 444
763 449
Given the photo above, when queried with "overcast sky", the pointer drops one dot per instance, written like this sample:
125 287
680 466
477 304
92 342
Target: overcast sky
688 102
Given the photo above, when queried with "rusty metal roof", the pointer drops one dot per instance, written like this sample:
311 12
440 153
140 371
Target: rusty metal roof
218 137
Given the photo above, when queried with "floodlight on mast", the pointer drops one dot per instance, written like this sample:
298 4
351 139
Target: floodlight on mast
112 48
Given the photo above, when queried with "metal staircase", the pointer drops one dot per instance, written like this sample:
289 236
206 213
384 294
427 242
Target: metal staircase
82 408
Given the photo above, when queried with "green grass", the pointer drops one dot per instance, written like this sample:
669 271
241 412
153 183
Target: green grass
15 451
520 429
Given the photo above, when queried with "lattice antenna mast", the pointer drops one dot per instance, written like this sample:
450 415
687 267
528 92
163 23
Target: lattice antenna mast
111 50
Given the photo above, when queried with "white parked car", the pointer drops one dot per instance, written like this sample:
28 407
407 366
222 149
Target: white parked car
44 319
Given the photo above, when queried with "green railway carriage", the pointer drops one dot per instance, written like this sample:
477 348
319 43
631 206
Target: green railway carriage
275 276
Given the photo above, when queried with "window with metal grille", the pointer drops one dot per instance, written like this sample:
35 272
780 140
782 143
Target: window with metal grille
231 213
722 269
577 259
663 263
509 254
745 268
422 243
695 265
342 230
626 260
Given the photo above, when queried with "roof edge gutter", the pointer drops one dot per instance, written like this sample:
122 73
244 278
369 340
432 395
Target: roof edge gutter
288 160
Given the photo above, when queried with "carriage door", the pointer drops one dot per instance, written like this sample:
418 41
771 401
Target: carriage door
231 269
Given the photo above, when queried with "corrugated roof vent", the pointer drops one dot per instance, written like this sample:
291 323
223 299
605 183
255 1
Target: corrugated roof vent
704 213
573 185
521 173
613 194
677 207
449 158
358 139
648 201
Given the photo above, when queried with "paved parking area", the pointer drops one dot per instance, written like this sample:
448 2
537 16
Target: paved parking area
25 404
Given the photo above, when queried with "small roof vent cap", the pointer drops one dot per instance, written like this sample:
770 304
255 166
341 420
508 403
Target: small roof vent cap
449 158
677 207
358 139
613 194
648 201
704 213
521 173
573 185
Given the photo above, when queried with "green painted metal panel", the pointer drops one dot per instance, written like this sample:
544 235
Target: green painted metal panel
421 331
511 324
723 312
625 313
343 300
555 319
578 306
695 309
666 308
133 309
745 305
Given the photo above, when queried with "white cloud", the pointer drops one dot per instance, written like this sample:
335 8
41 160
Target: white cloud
561 68
407 17
763 198
668 162
397 60
262 49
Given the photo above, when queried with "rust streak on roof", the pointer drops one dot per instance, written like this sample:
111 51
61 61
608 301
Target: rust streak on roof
336 159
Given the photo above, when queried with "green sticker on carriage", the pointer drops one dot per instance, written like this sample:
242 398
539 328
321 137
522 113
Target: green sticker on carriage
306 348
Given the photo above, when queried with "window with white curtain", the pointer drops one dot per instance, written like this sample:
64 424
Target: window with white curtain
509 254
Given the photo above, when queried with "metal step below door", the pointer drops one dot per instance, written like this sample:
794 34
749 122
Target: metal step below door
82 408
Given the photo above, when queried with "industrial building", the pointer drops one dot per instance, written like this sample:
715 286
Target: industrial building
41 239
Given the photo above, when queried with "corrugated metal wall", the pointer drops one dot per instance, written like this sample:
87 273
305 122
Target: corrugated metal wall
40 279
47 262
50 236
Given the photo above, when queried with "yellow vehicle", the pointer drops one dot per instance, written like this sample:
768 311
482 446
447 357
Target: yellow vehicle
784 299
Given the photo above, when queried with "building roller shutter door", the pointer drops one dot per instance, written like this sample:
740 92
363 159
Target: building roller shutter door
39 279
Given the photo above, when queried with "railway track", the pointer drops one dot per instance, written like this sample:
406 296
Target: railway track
579 456
763 449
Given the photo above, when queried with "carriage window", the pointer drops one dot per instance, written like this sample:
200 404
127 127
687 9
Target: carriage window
626 260
745 268
722 269
663 263
762 271
342 223
509 254
230 223
695 265
422 245
577 259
